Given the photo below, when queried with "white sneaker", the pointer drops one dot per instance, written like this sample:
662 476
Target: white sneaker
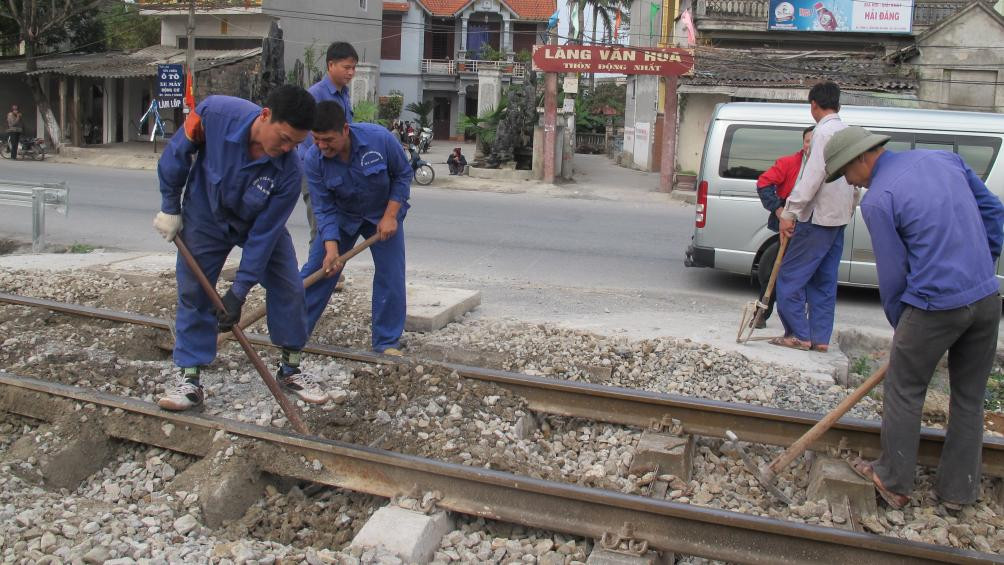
184 396
305 386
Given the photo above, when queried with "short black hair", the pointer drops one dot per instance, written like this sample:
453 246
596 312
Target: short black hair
807 130
293 105
341 50
330 116
826 95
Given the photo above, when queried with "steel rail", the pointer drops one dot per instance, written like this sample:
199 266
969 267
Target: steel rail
573 509
710 418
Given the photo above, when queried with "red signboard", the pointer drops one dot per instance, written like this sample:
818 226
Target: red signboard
664 61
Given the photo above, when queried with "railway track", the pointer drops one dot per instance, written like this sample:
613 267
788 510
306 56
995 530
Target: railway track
554 506
708 418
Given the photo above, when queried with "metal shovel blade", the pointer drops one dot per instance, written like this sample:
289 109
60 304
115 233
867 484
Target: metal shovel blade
755 471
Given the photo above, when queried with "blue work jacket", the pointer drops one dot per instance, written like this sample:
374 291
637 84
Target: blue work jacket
936 231
344 195
324 90
248 199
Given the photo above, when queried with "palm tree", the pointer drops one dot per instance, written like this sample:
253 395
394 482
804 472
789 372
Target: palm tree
422 110
606 11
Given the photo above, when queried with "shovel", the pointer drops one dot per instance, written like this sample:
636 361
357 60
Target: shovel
754 311
259 313
768 473
288 408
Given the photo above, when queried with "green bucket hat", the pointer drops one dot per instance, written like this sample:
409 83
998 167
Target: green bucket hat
845 146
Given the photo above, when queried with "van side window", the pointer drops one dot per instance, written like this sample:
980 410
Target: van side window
979 153
750 150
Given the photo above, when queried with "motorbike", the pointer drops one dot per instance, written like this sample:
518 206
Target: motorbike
29 147
425 140
424 174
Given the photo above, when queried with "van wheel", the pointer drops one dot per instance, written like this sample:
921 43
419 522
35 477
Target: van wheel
766 264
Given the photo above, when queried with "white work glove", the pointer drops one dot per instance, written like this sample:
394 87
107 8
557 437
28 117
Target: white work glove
167 224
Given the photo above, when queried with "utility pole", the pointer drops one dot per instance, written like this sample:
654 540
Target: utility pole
550 117
190 43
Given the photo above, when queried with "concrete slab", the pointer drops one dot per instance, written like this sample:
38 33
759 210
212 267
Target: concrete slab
673 455
600 556
106 261
833 480
64 261
412 536
431 308
74 451
226 485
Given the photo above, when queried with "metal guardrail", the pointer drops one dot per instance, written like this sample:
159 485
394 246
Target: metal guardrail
38 196
472 66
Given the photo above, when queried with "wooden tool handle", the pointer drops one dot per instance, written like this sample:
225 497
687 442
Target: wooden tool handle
292 414
822 426
775 269
259 313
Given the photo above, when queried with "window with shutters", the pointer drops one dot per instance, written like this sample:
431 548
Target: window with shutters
390 40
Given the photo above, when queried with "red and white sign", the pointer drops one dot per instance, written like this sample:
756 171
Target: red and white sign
663 61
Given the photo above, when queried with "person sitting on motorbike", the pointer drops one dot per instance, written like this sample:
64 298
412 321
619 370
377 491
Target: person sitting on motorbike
456 161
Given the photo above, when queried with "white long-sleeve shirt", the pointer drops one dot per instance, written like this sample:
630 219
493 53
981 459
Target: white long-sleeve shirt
822 203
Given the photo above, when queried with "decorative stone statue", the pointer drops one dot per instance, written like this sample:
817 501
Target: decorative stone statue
514 133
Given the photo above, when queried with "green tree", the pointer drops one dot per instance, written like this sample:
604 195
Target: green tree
422 110
367 112
390 106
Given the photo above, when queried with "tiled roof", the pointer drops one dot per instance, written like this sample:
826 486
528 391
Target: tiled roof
728 67
142 63
395 6
533 9
525 9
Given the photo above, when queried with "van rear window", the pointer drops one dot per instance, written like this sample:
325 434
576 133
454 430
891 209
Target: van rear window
750 150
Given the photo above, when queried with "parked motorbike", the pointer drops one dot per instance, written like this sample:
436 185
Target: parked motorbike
29 148
424 174
425 140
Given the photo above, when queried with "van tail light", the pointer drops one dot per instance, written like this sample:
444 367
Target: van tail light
701 209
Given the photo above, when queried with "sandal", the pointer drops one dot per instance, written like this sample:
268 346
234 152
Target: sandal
820 347
866 471
790 342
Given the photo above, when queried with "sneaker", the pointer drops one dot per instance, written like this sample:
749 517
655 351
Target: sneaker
392 351
184 396
305 386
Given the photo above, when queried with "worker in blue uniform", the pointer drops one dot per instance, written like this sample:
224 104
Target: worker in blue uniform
359 185
240 190
341 61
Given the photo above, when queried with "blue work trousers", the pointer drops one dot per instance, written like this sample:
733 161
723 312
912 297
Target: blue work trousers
196 327
389 305
807 282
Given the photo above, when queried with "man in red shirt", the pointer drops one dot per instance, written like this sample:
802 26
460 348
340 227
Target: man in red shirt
773 188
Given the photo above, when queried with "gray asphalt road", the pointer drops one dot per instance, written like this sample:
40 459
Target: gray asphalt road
600 264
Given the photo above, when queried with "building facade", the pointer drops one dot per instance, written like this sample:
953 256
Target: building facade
435 50
739 58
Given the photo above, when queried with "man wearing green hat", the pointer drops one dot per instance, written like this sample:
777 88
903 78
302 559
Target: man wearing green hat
937 233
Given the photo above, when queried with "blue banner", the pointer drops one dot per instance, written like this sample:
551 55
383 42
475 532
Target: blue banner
170 85
852 16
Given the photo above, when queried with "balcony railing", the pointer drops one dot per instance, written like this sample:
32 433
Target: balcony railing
200 5
745 9
472 66
924 13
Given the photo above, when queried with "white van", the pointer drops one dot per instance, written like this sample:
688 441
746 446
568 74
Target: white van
745 138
